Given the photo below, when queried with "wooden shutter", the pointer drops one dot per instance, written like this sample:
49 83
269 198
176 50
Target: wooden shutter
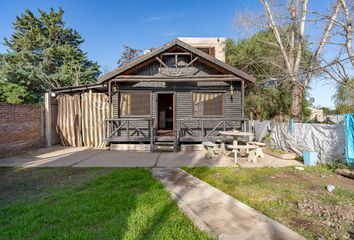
212 51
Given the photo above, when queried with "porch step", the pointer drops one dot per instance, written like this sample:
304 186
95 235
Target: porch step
164 146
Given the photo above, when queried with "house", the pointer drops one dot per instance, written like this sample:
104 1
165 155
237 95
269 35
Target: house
316 114
177 94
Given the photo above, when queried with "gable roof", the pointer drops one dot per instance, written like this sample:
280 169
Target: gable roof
176 42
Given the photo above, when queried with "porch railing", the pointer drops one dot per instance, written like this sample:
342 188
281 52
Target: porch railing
130 129
186 130
206 128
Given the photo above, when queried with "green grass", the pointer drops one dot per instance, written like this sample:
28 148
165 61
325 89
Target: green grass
274 150
277 193
62 203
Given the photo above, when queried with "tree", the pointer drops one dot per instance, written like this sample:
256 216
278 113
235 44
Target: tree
14 93
128 55
43 53
270 96
292 19
326 110
344 97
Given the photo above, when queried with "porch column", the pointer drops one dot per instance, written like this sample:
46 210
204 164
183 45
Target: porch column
243 99
243 127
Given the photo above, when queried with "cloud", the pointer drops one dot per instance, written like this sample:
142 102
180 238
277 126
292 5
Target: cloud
170 34
164 17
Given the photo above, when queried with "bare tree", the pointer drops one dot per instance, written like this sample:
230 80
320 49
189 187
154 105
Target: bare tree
128 55
336 67
288 23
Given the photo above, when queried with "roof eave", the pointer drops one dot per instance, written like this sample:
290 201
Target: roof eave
182 44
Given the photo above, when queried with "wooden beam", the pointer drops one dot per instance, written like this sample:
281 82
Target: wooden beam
161 62
177 79
166 77
191 62
176 53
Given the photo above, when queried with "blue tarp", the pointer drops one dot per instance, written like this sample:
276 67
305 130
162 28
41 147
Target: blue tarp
349 122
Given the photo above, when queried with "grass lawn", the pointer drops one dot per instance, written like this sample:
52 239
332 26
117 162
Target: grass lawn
298 199
88 203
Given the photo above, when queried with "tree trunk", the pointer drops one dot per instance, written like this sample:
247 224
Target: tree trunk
296 102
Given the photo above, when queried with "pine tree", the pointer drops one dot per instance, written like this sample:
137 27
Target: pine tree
43 53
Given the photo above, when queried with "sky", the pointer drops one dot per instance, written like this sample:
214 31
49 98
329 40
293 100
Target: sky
106 25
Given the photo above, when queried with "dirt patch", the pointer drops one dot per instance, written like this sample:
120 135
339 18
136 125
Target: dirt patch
28 183
331 217
317 213
318 179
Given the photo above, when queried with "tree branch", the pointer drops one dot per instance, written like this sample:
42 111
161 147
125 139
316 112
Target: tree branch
323 41
349 30
274 28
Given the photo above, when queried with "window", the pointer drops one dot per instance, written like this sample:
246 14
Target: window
208 104
208 50
135 103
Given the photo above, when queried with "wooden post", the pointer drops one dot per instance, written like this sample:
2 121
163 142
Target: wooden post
243 99
127 130
109 126
243 127
202 129
48 117
151 129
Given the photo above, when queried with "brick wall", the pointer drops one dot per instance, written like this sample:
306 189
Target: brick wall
21 128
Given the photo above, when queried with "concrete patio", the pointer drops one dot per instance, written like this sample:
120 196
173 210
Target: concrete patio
59 156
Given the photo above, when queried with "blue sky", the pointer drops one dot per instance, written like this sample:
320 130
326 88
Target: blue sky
106 25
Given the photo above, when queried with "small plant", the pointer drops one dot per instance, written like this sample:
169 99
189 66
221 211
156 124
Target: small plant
267 138
338 164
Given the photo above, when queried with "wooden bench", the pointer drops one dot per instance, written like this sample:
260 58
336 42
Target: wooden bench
235 149
257 144
210 148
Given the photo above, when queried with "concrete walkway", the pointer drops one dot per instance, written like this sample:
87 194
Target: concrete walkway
214 211
59 156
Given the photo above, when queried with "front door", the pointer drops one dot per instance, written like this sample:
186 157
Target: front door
165 114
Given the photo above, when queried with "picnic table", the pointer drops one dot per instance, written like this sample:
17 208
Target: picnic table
235 146
235 135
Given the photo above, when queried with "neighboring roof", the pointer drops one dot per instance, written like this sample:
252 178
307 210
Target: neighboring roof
97 86
176 42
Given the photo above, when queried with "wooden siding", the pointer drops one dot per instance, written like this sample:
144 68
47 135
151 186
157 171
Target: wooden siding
183 104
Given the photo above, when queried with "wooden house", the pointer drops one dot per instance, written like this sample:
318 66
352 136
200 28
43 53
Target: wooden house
175 94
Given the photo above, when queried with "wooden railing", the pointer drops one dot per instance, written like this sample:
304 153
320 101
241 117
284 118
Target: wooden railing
128 129
206 128
187 129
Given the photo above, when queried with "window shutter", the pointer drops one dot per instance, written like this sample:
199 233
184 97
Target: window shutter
212 51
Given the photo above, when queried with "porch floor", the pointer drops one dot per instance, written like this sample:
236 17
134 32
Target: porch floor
59 156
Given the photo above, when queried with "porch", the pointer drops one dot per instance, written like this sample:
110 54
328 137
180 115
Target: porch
186 131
